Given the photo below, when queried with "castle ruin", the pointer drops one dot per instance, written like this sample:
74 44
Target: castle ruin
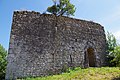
44 44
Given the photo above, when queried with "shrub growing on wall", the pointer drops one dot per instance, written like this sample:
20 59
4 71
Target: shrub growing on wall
3 61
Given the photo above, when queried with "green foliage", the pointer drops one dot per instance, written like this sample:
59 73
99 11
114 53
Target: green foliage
116 55
62 7
111 42
113 49
65 68
3 61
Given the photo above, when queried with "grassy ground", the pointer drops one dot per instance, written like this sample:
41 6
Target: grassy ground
104 73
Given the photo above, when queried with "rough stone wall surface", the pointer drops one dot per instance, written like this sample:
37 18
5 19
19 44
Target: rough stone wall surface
43 44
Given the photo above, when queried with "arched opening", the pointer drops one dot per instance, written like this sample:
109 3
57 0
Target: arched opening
91 57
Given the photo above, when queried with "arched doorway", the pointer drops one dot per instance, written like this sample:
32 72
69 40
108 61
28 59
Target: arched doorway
91 57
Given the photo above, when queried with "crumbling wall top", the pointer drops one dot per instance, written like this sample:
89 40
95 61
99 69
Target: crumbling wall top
32 13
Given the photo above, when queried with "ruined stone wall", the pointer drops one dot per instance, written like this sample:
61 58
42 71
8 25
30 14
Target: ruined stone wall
42 44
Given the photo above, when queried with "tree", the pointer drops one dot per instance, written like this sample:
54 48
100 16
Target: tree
3 62
111 42
62 7
113 50
116 55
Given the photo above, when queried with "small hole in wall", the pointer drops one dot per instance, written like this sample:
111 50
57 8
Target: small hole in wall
76 40
72 47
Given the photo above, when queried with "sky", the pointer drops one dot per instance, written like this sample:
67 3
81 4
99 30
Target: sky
105 12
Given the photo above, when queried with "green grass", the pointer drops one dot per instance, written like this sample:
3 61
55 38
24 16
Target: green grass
103 73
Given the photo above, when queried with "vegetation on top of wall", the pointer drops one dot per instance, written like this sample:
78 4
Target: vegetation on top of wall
62 7
3 62
113 49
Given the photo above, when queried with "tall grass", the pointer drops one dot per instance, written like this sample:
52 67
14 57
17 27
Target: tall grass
103 73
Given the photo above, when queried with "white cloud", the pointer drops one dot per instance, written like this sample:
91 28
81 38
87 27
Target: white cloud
117 36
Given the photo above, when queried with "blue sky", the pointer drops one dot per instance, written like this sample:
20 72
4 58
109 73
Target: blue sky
105 12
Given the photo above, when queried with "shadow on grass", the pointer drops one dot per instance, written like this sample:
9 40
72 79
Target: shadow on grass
118 78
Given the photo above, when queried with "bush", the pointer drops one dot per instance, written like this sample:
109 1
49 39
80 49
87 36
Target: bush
3 62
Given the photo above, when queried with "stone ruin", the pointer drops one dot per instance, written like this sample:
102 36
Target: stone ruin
44 44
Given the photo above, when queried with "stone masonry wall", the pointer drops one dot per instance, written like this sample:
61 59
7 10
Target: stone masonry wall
43 44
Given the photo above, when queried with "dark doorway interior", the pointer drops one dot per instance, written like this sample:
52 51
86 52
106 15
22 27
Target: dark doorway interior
91 57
